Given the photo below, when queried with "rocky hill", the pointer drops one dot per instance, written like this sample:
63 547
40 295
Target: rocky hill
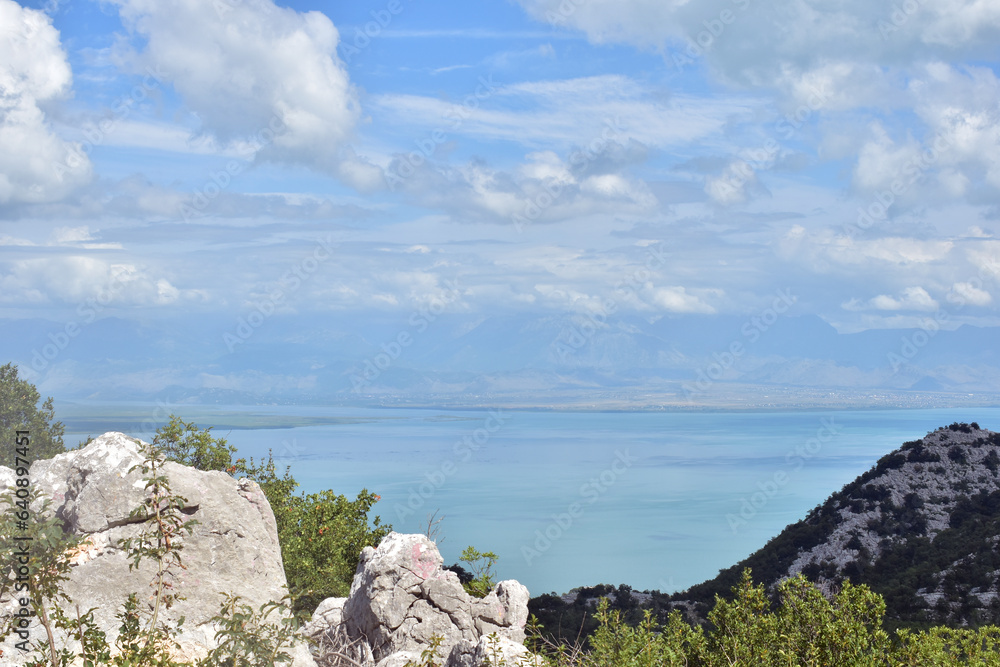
921 528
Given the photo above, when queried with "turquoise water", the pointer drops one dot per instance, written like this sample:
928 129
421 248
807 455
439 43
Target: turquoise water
566 499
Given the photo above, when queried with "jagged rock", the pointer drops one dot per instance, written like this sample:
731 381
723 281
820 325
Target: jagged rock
494 652
233 549
329 614
401 598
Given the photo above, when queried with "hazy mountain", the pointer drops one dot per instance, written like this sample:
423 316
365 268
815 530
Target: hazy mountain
285 359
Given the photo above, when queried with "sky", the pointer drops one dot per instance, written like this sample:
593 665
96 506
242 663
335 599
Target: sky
228 172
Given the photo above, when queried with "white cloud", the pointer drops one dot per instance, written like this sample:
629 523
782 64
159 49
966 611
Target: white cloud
546 188
881 161
253 71
565 112
678 300
912 298
972 294
962 111
822 250
854 46
35 164
735 183
75 279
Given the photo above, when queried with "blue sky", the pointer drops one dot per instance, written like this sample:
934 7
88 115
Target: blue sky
177 159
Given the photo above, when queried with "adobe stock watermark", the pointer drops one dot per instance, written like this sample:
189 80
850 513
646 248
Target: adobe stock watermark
898 17
796 459
565 10
552 189
220 180
911 172
364 35
288 284
50 8
223 7
590 492
703 41
87 311
290 452
911 344
751 331
573 338
406 166
739 173
160 416
97 133
392 349
462 452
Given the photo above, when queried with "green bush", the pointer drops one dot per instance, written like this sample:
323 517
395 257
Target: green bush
184 443
481 566
804 628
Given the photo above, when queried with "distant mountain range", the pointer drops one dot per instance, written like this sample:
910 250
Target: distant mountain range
921 528
692 359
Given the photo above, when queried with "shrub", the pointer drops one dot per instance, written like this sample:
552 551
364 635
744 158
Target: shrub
481 566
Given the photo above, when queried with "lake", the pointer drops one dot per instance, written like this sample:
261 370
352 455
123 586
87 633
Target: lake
651 499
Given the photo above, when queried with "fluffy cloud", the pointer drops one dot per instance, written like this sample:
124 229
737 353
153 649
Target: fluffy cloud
969 293
35 164
255 74
913 298
545 188
77 279
825 250
789 43
678 300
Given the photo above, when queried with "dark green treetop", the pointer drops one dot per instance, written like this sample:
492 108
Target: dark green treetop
19 411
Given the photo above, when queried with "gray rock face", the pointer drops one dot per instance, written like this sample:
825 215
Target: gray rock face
401 598
233 549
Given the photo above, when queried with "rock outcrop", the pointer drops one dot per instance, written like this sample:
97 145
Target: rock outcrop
921 528
233 549
401 598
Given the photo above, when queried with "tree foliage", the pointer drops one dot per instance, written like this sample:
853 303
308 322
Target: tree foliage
801 628
184 443
19 410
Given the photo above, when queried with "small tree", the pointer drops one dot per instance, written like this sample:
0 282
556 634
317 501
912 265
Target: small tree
481 565
184 443
40 532
19 410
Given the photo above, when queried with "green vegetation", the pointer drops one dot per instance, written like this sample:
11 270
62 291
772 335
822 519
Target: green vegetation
184 443
19 410
481 566
800 628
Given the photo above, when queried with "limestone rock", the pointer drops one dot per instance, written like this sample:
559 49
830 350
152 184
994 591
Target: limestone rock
233 549
401 597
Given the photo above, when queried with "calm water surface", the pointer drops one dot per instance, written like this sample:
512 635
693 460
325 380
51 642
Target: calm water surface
653 500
